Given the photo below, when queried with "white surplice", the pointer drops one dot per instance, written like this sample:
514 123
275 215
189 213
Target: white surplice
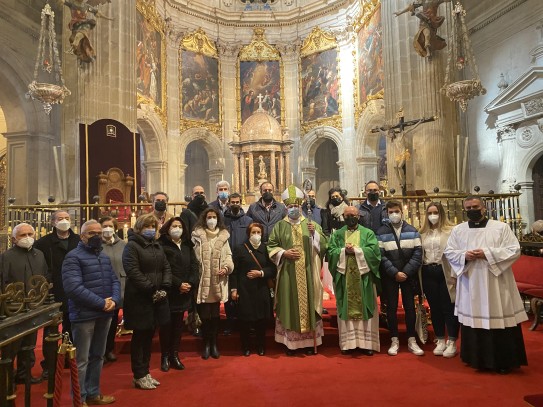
487 296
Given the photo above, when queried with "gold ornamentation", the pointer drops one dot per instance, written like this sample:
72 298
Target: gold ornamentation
148 10
317 41
366 13
200 43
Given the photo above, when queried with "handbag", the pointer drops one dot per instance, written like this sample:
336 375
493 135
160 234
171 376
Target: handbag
270 282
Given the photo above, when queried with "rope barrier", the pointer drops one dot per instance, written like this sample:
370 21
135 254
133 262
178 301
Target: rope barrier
67 349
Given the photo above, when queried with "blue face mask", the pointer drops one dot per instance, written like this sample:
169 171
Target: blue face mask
223 195
294 213
149 233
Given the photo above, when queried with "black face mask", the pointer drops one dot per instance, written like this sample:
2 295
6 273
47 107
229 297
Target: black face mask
351 221
234 209
199 199
160 206
336 201
373 196
312 202
267 197
95 242
475 215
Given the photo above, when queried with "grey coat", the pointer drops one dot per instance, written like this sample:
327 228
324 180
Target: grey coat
115 253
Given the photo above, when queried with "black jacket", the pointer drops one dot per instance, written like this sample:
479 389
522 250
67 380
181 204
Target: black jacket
372 217
268 218
18 265
184 266
254 294
147 270
54 251
329 222
236 226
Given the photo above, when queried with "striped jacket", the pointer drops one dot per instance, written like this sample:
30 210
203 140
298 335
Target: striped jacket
392 261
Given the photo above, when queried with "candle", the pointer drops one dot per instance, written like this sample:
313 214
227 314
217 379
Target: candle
125 232
292 178
132 220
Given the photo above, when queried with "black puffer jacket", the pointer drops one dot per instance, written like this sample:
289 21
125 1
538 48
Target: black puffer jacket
147 270
184 267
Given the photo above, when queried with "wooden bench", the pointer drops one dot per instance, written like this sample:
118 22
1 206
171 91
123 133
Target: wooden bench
528 271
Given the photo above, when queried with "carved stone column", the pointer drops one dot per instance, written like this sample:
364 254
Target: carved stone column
182 175
287 172
366 170
156 171
251 180
280 181
273 172
242 172
235 184
215 175
506 138
527 203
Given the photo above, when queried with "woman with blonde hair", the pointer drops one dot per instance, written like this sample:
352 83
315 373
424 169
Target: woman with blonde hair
438 284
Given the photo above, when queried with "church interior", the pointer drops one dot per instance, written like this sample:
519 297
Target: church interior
104 102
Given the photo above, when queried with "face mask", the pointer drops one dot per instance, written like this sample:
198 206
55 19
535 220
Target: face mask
311 202
200 199
351 221
234 209
149 233
336 201
267 197
475 214
223 195
395 218
373 196
294 213
95 242
255 239
433 219
25 242
176 232
160 206
63 225
107 232
211 223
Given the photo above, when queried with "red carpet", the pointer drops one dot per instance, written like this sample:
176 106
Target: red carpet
327 379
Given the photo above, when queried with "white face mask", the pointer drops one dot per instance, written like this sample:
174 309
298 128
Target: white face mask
107 232
25 242
176 232
63 225
255 239
395 218
433 219
211 223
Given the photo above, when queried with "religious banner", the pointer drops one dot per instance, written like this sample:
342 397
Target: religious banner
319 81
369 59
260 80
151 58
199 74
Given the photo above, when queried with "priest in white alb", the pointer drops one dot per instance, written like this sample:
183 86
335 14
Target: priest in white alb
481 252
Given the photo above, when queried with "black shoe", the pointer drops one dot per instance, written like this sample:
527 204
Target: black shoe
290 352
346 352
246 352
175 363
207 350
165 363
367 352
261 351
309 351
214 351
503 371
110 357
33 380
197 332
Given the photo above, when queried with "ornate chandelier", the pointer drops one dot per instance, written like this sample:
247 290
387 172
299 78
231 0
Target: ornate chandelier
48 93
460 56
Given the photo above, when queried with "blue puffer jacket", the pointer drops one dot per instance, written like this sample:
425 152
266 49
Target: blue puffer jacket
392 261
88 279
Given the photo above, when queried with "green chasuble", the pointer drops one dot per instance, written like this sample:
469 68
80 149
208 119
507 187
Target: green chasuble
355 297
299 289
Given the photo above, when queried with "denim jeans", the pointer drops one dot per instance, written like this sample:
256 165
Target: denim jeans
89 337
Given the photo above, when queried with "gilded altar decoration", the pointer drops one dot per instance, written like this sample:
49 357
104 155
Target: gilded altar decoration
260 79
20 297
319 81
151 58
199 77
369 73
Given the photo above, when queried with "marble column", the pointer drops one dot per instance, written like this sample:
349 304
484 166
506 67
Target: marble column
173 186
527 204
156 174
181 181
235 184
287 172
273 172
367 169
506 137
414 83
251 180
242 172
281 175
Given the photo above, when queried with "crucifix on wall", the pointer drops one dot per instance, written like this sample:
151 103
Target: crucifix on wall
396 134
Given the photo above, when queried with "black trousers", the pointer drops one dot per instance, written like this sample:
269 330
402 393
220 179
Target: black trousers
170 334
245 327
140 351
110 342
25 361
390 289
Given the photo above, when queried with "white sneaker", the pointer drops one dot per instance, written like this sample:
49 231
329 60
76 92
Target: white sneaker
152 380
414 347
441 345
450 352
393 350
144 383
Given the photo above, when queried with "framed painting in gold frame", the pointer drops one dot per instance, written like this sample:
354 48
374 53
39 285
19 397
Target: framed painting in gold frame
369 72
151 58
199 83
260 79
319 81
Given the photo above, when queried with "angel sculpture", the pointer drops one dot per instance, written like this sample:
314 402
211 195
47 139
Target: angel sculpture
426 40
81 24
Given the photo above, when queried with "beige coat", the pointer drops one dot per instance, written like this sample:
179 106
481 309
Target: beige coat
449 277
212 255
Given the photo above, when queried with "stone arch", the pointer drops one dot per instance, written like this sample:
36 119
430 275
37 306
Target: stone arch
153 137
367 143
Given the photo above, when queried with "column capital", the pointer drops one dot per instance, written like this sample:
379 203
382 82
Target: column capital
290 50
505 133
228 50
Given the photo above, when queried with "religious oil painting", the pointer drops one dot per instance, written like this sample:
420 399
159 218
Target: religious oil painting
260 83
149 69
199 87
320 85
370 59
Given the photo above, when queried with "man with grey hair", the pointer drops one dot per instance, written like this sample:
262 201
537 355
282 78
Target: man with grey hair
93 291
481 252
223 192
19 264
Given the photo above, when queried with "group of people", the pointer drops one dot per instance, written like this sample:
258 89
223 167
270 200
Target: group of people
270 259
